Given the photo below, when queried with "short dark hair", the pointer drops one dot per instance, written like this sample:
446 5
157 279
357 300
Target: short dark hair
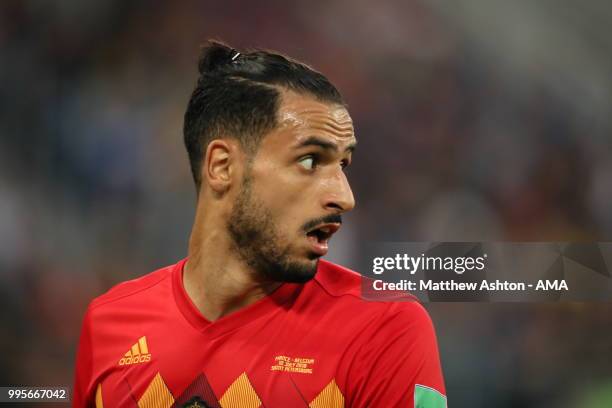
238 95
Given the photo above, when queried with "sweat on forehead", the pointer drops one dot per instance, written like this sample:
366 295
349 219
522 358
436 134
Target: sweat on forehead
305 112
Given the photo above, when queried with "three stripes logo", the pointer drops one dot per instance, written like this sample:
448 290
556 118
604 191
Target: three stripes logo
139 353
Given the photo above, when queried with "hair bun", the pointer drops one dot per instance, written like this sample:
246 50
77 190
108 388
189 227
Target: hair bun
214 56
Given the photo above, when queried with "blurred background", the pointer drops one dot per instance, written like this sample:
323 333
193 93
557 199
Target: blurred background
477 120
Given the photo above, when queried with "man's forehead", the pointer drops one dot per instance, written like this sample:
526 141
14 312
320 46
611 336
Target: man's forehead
305 114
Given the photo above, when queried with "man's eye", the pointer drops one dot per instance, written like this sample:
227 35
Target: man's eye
307 162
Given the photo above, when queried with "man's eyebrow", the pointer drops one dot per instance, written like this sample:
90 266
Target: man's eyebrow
325 144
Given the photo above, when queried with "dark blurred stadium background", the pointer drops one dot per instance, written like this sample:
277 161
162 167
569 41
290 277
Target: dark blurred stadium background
477 120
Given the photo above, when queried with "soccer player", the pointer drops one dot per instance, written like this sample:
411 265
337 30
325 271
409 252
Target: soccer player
253 317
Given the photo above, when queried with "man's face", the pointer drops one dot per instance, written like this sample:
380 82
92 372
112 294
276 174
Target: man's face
294 190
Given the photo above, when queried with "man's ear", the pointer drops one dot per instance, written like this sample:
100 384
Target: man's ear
219 165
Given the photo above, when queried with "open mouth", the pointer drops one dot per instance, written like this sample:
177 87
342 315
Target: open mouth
319 237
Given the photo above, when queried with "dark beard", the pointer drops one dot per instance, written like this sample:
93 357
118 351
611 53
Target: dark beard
255 235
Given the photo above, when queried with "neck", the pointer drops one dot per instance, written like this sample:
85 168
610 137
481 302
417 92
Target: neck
215 278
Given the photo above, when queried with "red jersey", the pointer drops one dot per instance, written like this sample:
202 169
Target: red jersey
319 344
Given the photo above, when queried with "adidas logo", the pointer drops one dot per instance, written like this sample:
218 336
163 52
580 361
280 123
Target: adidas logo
139 353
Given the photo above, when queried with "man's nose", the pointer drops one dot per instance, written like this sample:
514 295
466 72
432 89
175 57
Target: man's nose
340 196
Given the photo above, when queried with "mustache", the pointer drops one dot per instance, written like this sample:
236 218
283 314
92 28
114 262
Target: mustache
328 219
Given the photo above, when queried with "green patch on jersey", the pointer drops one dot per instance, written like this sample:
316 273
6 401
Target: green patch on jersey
426 397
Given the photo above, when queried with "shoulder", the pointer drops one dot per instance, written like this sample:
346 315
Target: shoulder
337 280
135 290
344 284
